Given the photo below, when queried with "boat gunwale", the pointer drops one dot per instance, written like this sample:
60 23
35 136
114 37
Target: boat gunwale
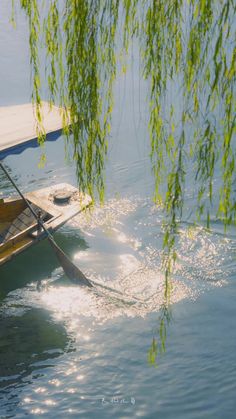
59 215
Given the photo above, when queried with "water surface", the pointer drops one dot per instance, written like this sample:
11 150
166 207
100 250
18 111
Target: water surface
71 352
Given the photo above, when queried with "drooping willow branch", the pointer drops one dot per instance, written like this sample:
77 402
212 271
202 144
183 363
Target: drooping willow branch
188 48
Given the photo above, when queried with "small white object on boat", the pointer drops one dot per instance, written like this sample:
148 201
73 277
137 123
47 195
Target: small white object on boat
54 205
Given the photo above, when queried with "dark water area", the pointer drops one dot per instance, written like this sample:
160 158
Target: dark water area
69 352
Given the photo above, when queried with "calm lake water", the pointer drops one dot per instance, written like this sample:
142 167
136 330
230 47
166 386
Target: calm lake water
67 352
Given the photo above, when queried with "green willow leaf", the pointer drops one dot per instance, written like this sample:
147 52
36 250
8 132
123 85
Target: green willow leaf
188 48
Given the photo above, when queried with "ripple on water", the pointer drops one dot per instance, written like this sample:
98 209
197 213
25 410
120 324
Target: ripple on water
127 267
124 257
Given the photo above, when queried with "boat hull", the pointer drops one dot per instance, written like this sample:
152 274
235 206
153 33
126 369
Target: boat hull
19 230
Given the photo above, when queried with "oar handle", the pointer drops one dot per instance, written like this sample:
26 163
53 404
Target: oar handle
26 201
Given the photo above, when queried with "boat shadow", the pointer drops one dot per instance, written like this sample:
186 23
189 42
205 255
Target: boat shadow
38 262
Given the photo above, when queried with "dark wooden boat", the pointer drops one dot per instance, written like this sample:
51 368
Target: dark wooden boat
54 205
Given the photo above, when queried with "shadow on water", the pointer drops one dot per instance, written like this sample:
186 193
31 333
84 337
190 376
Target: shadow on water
28 344
37 262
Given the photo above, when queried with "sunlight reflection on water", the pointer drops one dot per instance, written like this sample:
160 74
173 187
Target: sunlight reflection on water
128 269
122 252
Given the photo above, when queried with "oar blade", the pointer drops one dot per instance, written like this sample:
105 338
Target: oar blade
70 269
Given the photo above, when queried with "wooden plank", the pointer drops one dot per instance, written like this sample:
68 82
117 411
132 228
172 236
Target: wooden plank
72 212
44 199
16 239
10 208
60 215
18 247
20 243
3 228
17 123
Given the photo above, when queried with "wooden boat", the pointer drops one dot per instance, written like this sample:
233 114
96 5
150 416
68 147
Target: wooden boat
54 205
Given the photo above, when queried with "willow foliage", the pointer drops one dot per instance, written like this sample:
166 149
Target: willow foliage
188 48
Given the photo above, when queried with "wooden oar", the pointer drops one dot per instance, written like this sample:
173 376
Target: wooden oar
71 270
